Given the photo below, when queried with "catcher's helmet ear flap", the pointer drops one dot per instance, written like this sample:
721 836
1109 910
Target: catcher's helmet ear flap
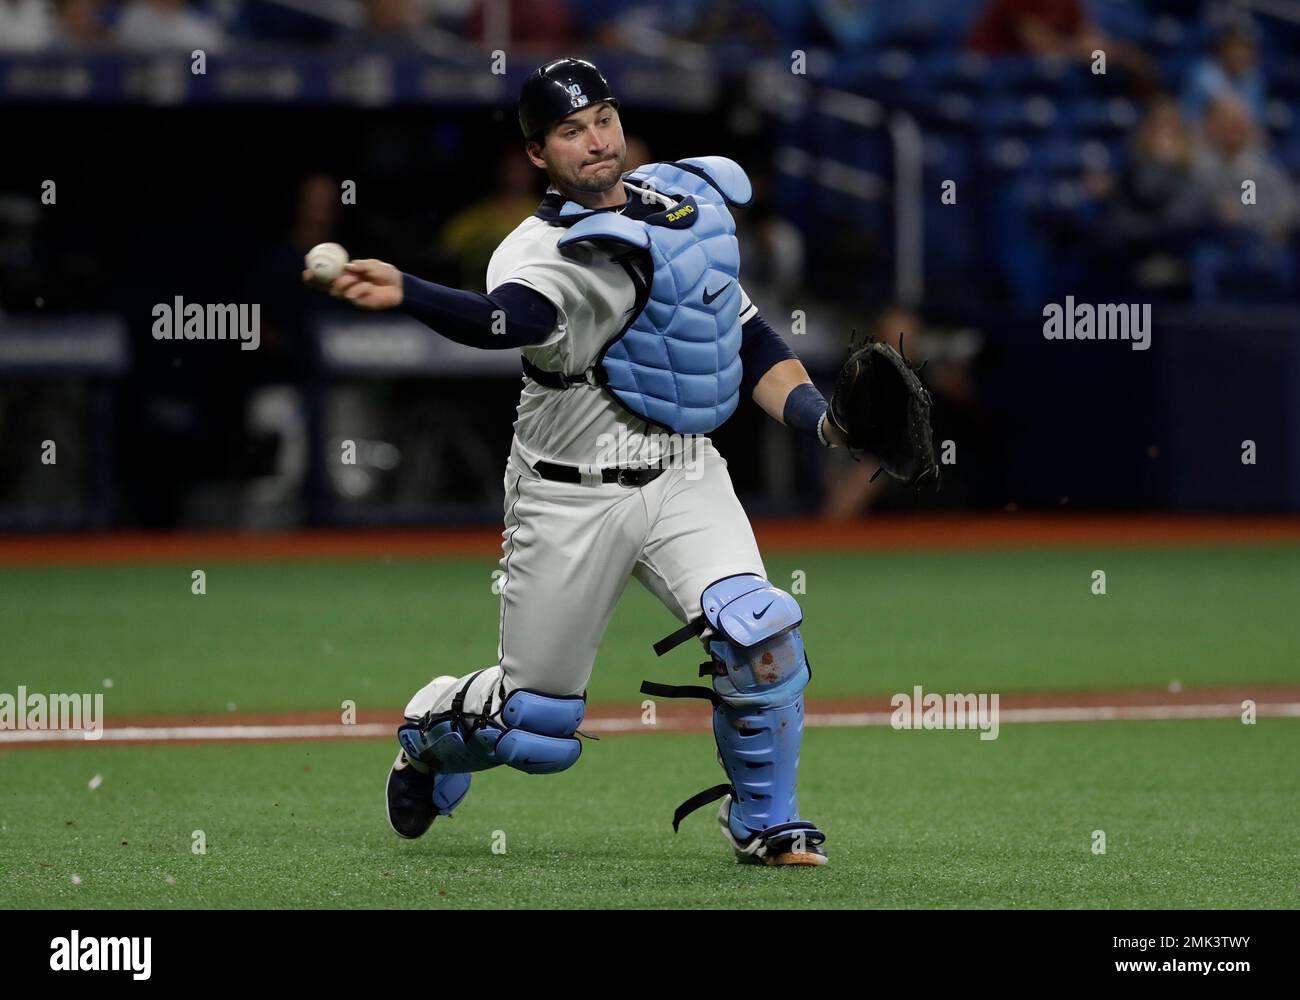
558 88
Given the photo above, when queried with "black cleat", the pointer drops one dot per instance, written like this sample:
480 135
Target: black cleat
411 808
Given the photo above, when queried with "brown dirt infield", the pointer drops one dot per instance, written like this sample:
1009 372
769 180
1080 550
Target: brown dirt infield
695 716
1006 530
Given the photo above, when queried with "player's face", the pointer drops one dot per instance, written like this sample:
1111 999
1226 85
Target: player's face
585 151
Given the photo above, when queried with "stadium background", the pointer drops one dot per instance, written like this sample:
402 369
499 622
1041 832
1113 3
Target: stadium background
329 583
212 186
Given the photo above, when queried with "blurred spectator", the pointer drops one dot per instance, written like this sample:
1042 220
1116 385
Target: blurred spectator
78 25
167 24
624 27
316 214
1246 257
25 25
1155 204
389 18
737 21
397 25
473 233
1058 28
652 27
269 391
1232 153
20 279
1232 71
289 307
532 23
851 25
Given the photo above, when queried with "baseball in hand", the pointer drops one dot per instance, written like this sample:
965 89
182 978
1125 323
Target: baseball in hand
325 262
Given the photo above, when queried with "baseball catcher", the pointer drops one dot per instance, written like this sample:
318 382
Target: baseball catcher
622 293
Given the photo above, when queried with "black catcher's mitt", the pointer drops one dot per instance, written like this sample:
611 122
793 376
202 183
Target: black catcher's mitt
884 410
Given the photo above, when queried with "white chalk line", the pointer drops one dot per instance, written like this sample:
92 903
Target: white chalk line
372 730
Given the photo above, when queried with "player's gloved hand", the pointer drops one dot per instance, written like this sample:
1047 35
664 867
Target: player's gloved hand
882 408
367 284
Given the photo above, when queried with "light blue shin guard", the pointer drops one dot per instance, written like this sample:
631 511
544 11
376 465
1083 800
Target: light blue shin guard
531 732
759 670
759 750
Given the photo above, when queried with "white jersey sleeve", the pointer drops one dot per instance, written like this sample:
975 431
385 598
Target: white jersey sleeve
747 309
564 279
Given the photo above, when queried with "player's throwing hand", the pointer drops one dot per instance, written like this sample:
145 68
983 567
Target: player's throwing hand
367 284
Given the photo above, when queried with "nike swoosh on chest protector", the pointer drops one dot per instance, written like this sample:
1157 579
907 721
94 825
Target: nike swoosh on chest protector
710 296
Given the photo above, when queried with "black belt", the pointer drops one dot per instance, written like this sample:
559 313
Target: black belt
559 380
572 474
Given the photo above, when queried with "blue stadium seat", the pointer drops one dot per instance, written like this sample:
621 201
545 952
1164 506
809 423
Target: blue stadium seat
1002 157
1104 117
924 27
1122 18
1284 81
1026 75
1024 116
888 75
968 72
1244 271
1068 157
1287 149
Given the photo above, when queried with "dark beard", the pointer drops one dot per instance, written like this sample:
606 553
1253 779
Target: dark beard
594 186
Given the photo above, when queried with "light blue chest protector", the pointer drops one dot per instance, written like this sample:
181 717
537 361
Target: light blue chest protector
677 362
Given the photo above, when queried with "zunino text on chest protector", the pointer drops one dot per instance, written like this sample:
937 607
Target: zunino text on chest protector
677 361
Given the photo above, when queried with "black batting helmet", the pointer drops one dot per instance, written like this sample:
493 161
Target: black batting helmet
557 88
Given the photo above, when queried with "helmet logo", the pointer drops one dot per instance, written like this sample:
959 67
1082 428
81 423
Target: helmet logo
576 97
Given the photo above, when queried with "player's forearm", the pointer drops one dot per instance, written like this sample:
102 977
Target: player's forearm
779 383
787 394
774 388
761 349
781 397
511 315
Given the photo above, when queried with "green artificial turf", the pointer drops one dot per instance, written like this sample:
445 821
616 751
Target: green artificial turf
310 635
1196 814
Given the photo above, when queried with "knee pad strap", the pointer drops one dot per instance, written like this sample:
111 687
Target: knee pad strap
531 732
